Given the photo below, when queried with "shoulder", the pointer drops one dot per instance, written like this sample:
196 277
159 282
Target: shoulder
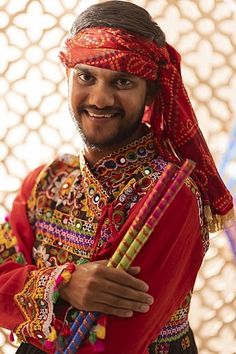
63 164
54 173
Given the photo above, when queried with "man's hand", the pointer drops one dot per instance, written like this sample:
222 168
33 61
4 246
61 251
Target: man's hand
95 287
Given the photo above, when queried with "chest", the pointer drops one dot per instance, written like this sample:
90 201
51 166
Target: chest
78 213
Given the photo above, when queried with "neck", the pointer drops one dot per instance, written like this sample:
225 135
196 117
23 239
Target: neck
93 154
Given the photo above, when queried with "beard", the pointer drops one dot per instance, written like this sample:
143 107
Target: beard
115 138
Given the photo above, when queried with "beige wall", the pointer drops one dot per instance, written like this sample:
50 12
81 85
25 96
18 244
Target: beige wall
34 122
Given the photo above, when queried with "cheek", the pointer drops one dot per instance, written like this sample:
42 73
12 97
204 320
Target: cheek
76 93
76 96
133 101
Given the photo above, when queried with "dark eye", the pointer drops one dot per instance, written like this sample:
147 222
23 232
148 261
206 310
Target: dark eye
84 77
123 83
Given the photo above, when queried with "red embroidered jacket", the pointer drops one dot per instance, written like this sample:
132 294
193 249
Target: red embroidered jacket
53 221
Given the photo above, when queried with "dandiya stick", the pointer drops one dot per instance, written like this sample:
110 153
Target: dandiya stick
136 245
80 324
142 215
155 216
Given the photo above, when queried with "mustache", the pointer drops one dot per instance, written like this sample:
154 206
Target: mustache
104 110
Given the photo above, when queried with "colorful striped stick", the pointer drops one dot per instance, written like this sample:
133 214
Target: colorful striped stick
128 250
137 224
81 323
155 216
143 214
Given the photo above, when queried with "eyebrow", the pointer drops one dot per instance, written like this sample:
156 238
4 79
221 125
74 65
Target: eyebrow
115 75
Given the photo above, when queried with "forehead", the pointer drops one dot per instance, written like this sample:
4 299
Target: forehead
100 72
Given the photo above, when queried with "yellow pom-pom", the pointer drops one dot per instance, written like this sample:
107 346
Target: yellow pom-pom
100 331
66 276
52 335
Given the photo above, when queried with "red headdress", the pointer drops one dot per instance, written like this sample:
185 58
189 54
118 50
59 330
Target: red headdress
171 114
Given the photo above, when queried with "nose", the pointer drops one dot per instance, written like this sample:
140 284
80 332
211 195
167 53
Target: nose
101 95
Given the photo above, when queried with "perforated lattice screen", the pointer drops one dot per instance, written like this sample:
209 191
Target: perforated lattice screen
35 123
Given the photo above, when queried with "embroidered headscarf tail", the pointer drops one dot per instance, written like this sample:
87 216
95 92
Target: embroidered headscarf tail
175 124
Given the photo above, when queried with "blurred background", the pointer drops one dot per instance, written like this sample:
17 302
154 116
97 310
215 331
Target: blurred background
35 124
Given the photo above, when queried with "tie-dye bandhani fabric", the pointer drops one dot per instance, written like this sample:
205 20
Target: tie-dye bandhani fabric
116 50
171 114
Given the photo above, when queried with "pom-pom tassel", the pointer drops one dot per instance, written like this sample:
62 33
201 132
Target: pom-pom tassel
99 346
49 345
52 335
59 280
66 275
100 328
100 331
50 342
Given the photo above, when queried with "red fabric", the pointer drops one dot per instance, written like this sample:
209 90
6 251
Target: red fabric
13 275
171 114
113 49
173 119
19 219
169 263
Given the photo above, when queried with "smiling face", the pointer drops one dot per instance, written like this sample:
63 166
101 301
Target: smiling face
107 106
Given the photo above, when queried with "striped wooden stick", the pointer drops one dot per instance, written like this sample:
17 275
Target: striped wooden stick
130 235
143 214
137 243
155 216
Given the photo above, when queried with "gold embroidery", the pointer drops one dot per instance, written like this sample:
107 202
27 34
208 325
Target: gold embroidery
36 304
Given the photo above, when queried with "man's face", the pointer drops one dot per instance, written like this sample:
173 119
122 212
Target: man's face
107 106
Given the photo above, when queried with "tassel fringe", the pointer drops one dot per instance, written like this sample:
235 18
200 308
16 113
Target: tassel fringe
216 222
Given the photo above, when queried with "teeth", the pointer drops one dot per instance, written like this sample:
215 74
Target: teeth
100 115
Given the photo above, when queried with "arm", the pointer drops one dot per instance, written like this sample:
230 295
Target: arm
95 287
26 293
169 264
16 239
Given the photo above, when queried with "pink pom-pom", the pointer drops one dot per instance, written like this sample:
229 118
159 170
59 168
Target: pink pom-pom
7 218
98 346
59 280
49 345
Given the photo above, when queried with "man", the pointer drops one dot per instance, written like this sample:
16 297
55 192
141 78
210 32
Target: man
128 101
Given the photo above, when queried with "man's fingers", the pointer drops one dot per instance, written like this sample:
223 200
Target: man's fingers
114 311
120 291
96 287
125 279
122 303
134 270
